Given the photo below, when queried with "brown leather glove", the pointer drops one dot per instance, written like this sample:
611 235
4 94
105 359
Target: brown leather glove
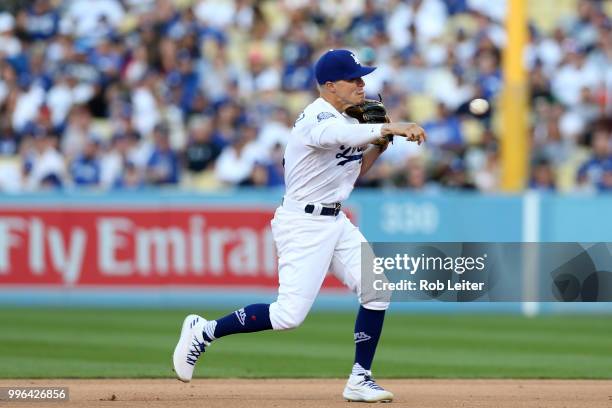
372 111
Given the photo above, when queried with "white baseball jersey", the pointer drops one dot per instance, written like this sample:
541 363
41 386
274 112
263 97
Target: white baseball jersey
322 161
324 154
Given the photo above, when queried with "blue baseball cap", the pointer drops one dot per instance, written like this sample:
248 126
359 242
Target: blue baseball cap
336 65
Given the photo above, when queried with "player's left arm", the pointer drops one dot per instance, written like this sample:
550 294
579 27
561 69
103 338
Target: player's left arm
372 153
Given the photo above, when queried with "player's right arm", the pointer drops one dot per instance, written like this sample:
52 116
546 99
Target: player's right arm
336 133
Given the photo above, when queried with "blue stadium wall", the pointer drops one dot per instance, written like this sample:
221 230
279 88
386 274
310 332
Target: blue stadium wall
383 216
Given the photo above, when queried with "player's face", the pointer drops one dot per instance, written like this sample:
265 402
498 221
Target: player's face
351 91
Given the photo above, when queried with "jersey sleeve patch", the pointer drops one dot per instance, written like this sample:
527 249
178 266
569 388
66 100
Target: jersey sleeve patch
325 115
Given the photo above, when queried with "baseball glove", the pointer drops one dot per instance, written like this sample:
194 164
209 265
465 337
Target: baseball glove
371 111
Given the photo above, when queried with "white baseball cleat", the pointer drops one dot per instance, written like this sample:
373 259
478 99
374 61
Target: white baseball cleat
190 346
363 388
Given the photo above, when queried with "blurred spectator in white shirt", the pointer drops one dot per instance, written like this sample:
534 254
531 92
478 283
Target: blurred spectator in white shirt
572 76
86 15
30 98
494 9
428 17
385 72
275 131
44 164
77 132
60 98
236 162
10 45
581 25
545 50
259 76
216 13
145 105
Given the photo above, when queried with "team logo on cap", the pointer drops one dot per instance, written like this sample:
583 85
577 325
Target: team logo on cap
356 59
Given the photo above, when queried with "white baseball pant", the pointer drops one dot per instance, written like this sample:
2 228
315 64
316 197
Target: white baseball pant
308 247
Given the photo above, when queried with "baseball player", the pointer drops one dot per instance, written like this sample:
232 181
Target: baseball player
326 153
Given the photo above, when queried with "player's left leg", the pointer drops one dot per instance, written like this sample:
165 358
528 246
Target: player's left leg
346 265
304 250
198 333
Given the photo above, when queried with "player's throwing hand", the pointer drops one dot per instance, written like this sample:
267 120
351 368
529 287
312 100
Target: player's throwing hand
411 131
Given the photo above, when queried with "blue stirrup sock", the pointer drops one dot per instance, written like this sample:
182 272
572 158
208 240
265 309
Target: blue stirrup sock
368 327
251 318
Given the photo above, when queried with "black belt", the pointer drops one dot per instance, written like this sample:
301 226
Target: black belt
325 210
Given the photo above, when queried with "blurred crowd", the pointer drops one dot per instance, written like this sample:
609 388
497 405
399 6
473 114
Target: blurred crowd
201 94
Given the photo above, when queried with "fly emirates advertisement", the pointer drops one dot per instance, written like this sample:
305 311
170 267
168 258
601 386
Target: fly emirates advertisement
135 246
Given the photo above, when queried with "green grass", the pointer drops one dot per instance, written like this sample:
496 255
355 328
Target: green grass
139 343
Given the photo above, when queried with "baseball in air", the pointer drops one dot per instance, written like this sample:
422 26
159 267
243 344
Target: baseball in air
479 106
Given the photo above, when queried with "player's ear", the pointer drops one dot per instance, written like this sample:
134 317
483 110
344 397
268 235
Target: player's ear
330 86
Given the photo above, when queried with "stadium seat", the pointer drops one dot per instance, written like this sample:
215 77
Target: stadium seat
472 130
10 173
421 107
547 15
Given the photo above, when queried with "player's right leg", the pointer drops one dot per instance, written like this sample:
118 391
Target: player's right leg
305 246
346 265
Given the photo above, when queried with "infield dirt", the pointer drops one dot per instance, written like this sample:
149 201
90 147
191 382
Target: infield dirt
306 393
